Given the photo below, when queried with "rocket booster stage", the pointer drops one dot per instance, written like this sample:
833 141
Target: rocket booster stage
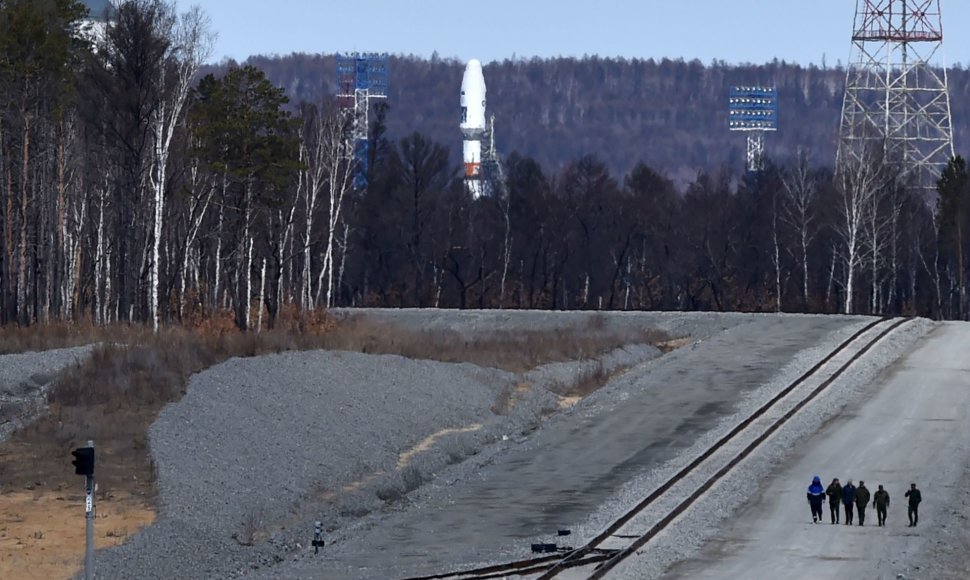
473 124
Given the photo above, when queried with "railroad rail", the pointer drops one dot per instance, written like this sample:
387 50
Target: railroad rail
599 560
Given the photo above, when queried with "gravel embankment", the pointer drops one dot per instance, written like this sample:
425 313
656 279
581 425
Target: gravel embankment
260 448
471 323
257 443
24 380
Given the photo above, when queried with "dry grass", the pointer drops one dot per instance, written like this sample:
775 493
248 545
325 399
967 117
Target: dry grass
15 339
115 395
512 350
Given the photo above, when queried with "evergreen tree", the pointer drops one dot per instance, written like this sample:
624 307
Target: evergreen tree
951 216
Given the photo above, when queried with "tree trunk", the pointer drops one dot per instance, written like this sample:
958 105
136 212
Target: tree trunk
960 274
22 312
262 294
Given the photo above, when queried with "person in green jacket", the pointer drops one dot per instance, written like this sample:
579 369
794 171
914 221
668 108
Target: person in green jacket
880 499
834 491
861 501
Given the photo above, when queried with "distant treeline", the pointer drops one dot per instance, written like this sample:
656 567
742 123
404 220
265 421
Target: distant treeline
670 114
138 186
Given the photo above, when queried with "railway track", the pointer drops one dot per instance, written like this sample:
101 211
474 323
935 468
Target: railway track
644 521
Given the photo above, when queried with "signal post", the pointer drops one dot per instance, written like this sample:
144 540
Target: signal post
84 465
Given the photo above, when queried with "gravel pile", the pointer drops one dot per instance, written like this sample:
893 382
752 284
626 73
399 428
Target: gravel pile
24 381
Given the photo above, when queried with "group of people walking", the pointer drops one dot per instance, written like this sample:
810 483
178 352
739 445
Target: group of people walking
856 499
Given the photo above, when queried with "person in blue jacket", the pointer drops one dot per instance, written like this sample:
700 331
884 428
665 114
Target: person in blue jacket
816 497
848 500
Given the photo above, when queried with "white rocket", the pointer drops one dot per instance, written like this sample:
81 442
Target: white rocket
473 125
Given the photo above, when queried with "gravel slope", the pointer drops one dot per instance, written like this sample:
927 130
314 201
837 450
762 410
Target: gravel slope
24 379
256 441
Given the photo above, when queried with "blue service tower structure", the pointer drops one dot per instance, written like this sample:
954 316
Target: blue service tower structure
360 78
753 110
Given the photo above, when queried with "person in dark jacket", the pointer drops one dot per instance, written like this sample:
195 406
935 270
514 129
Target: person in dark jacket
861 501
880 499
834 491
914 498
816 497
848 499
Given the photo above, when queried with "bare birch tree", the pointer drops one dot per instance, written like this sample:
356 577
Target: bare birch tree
858 183
877 234
801 191
202 191
334 155
191 43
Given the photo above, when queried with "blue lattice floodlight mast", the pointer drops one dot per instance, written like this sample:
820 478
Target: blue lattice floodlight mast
360 78
755 110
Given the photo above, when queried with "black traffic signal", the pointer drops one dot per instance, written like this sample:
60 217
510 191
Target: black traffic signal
83 460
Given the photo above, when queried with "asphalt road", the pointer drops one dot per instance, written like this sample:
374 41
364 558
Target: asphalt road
912 427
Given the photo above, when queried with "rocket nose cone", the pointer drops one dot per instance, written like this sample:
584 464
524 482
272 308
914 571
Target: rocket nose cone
473 81
473 71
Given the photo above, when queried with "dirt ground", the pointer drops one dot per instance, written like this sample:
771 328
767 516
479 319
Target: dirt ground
42 530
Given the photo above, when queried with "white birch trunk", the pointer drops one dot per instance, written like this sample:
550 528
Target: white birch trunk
777 254
196 215
262 290
100 275
506 252
249 283
158 193
110 303
343 255
218 264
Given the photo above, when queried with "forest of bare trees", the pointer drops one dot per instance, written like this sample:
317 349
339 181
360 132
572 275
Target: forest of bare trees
140 186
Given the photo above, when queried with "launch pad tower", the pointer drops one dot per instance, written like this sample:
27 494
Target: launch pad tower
753 110
897 102
493 174
361 77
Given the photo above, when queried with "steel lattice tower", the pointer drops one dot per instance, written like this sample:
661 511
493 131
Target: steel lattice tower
896 99
360 78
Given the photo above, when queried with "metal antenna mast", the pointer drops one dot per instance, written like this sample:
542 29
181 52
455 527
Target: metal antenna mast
360 78
897 103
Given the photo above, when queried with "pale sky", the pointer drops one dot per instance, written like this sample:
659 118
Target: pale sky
736 31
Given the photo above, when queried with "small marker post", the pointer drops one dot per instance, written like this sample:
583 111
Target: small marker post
317 536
